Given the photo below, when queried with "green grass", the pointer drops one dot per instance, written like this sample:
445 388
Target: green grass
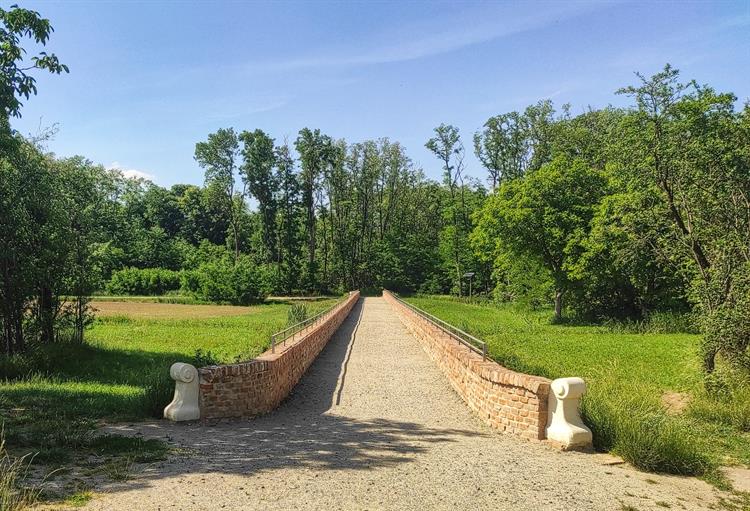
627 375
15 491
52 400
191 300
125 358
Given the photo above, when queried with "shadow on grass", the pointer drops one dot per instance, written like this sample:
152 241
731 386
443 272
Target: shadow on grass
71 387
87 363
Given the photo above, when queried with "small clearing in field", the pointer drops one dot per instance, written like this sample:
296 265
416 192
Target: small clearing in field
167 310
675 402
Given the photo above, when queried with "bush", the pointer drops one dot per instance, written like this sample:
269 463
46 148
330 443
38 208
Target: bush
147 281
159 389
239 283
211 281
297 314
205 358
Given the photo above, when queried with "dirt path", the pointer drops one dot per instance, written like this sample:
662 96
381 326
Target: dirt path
374 425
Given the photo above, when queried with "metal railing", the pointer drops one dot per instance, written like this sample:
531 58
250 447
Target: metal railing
468 340
289 332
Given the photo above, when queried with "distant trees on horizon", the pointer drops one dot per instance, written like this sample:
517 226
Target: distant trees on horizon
613 213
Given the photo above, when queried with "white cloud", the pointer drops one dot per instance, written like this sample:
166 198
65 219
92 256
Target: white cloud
131 173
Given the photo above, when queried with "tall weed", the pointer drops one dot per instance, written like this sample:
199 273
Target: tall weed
636 428
297 314
158 391
15 492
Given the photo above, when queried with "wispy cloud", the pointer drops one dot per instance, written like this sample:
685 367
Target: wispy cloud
235 110
131 173
435 37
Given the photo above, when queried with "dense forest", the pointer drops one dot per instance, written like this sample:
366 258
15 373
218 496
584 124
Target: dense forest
607 213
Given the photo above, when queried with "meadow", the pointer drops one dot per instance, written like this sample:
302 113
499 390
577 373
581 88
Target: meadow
52 400
646 399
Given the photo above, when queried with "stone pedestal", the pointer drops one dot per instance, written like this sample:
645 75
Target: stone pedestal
184 405
564 425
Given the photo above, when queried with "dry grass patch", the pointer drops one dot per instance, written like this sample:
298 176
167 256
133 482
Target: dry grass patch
141 310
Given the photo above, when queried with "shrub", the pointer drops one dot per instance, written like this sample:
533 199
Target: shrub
147 281
248 282
205 358
211 281
239 283
297 314
158 392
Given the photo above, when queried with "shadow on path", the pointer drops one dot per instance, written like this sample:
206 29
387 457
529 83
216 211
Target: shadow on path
305 431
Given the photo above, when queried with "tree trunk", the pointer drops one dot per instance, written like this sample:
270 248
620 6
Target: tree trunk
558 304
709 360
236 235
80 319
46 315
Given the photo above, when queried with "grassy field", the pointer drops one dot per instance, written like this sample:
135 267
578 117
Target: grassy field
51 402
116 374
646 399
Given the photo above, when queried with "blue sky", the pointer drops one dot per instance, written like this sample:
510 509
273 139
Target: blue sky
149 79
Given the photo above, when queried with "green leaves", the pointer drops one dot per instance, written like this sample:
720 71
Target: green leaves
15 83
544 215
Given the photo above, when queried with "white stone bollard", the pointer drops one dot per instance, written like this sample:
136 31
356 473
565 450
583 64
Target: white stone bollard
564 424
184 405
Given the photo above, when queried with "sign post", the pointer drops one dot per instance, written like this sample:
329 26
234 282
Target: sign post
469 275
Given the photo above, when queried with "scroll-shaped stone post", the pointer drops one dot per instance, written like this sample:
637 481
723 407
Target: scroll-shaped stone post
184 405
564 424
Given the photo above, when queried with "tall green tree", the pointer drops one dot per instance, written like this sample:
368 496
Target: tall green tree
545 216
314 151
28 219
289 225
219 156
257 171
688 142
15 81
446 145
503 147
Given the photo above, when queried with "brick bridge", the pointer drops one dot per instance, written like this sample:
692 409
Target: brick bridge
375 424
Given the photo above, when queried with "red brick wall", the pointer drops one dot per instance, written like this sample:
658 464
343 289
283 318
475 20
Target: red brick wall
258 386
509 401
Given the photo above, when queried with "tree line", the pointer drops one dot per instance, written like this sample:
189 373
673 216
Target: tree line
613 212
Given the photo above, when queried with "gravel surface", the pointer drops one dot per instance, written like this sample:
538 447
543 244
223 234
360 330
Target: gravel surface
374 425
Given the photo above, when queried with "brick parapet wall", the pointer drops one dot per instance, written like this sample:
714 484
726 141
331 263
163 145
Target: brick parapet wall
509 401
260 385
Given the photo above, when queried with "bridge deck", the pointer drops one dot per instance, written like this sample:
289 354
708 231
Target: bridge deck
374 425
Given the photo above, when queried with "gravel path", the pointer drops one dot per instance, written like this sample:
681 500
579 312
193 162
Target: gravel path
375 425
